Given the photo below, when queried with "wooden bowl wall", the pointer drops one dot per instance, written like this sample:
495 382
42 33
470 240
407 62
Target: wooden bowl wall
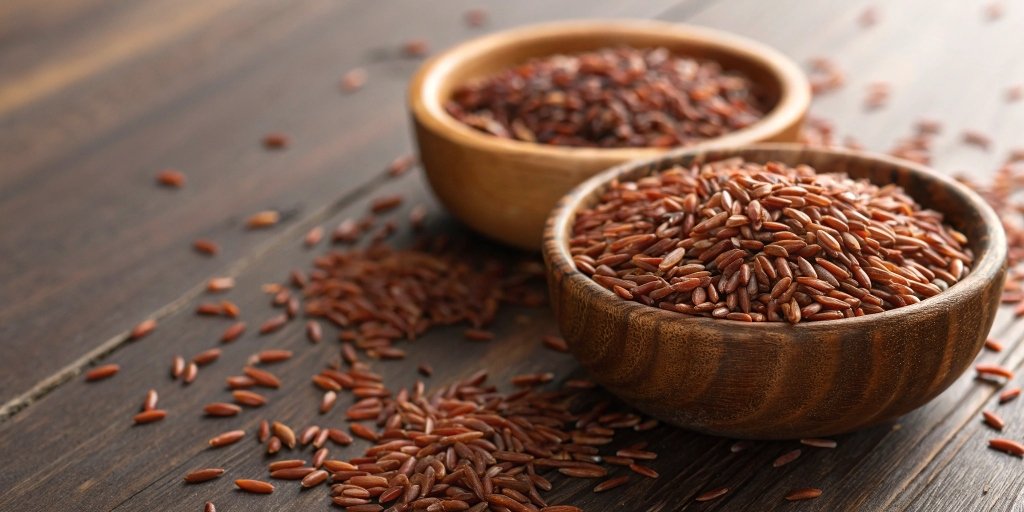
775 380
505 188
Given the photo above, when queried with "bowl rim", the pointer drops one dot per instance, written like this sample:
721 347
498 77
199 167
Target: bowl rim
793 103
987 265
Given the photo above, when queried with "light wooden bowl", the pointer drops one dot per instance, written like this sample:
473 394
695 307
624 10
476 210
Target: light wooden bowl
506 188
775 380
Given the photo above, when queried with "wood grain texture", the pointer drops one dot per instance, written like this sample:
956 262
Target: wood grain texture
775 380
74 449
85 215
505 188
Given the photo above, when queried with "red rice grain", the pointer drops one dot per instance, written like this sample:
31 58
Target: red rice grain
177 366
415 48
993 345
314 236
360 430
401 164
207 247
556 343
475 18
319 457
291 473
987 369
209 309
263 219
713 494
1007 445
993 11
643 470
326 383
249 398
285 433
102 372
878 95
308 434
203 475
1015 93
230 309
221 409
273 356
386 203
370 507
637 454
206 357
142 329
1009 395
338 437
314 479
977 139
171 178
786 458
149 416
220 284
993 420
739 446
273 324
327 402
149 403
825 76
808 493
818 443
276 141
233 332
417 217
273 445
650 424
240 382
611 483
286 464
313 331
321 438
254 486
353 80
190 373
869 16
230 437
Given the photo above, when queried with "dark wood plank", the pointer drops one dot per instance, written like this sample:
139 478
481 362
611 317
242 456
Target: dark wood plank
198 100
201 121
94 459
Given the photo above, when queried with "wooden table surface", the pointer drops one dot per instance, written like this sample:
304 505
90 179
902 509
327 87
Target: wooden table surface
97 96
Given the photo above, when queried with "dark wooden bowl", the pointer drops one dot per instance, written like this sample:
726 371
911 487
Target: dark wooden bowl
775 380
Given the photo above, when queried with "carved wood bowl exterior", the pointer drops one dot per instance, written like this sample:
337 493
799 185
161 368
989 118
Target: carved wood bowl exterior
775 380
505 188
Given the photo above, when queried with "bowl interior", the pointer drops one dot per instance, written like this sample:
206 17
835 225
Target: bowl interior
778 80
963 209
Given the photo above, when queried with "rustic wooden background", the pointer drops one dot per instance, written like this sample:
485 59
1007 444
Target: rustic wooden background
96 96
